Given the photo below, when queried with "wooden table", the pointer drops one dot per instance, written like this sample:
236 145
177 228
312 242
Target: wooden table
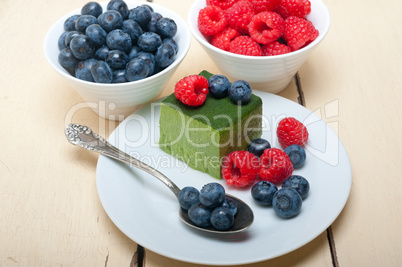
50 214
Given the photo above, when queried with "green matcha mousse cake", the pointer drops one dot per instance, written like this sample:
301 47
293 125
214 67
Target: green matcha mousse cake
202 136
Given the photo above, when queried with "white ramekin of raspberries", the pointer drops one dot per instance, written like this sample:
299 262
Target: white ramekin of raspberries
261 41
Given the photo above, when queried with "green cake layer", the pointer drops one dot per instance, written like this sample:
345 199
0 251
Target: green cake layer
202 136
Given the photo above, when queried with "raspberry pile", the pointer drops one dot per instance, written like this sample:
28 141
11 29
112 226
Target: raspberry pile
257 27
242 168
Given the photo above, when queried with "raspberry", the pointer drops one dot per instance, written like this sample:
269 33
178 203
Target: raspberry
264 5
239 16
299 32
240 168
223 4
192 90
266 27
298 8
275 166
211 20
291 132
244 45
274 49
222 40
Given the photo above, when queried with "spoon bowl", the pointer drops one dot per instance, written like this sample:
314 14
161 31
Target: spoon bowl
243 218
83 136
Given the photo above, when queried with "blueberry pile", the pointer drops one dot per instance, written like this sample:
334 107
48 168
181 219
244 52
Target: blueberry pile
118 45
209 206
287 200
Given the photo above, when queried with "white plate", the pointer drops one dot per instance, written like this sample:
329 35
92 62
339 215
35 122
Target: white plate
147 211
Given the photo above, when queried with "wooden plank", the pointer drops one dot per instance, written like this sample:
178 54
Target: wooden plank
315 253
352 78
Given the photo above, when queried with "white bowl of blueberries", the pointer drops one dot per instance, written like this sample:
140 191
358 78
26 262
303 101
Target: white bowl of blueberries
118 55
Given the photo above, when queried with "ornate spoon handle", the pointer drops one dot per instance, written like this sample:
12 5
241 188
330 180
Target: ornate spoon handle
83 136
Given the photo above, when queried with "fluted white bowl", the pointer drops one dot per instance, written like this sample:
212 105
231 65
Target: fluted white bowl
268 73
116 101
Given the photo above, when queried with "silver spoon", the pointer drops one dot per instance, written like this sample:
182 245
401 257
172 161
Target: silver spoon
83 136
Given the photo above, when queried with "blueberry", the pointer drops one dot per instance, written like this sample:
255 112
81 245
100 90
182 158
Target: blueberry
230 204
158 69
296 154
82 47
136 69
188 196
240 92
258 146
102 52
84 21
120 6
212 195
83 70
165 55
299 183
110 20
149 7
67 59
133 29
97 34
101 72
117 59
155 17
172 42
119 76
133 52
287 202
69 36
263 192
92 8
118 40
166 28
60 41
218 86
199 215
222 218
71 71
150 59
141 15
149 41
69 24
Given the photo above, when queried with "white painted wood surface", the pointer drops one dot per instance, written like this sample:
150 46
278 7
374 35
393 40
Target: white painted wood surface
50 214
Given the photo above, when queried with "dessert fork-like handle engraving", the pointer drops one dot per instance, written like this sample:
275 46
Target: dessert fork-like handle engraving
83 136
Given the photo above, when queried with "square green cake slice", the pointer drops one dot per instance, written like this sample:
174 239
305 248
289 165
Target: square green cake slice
202 136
